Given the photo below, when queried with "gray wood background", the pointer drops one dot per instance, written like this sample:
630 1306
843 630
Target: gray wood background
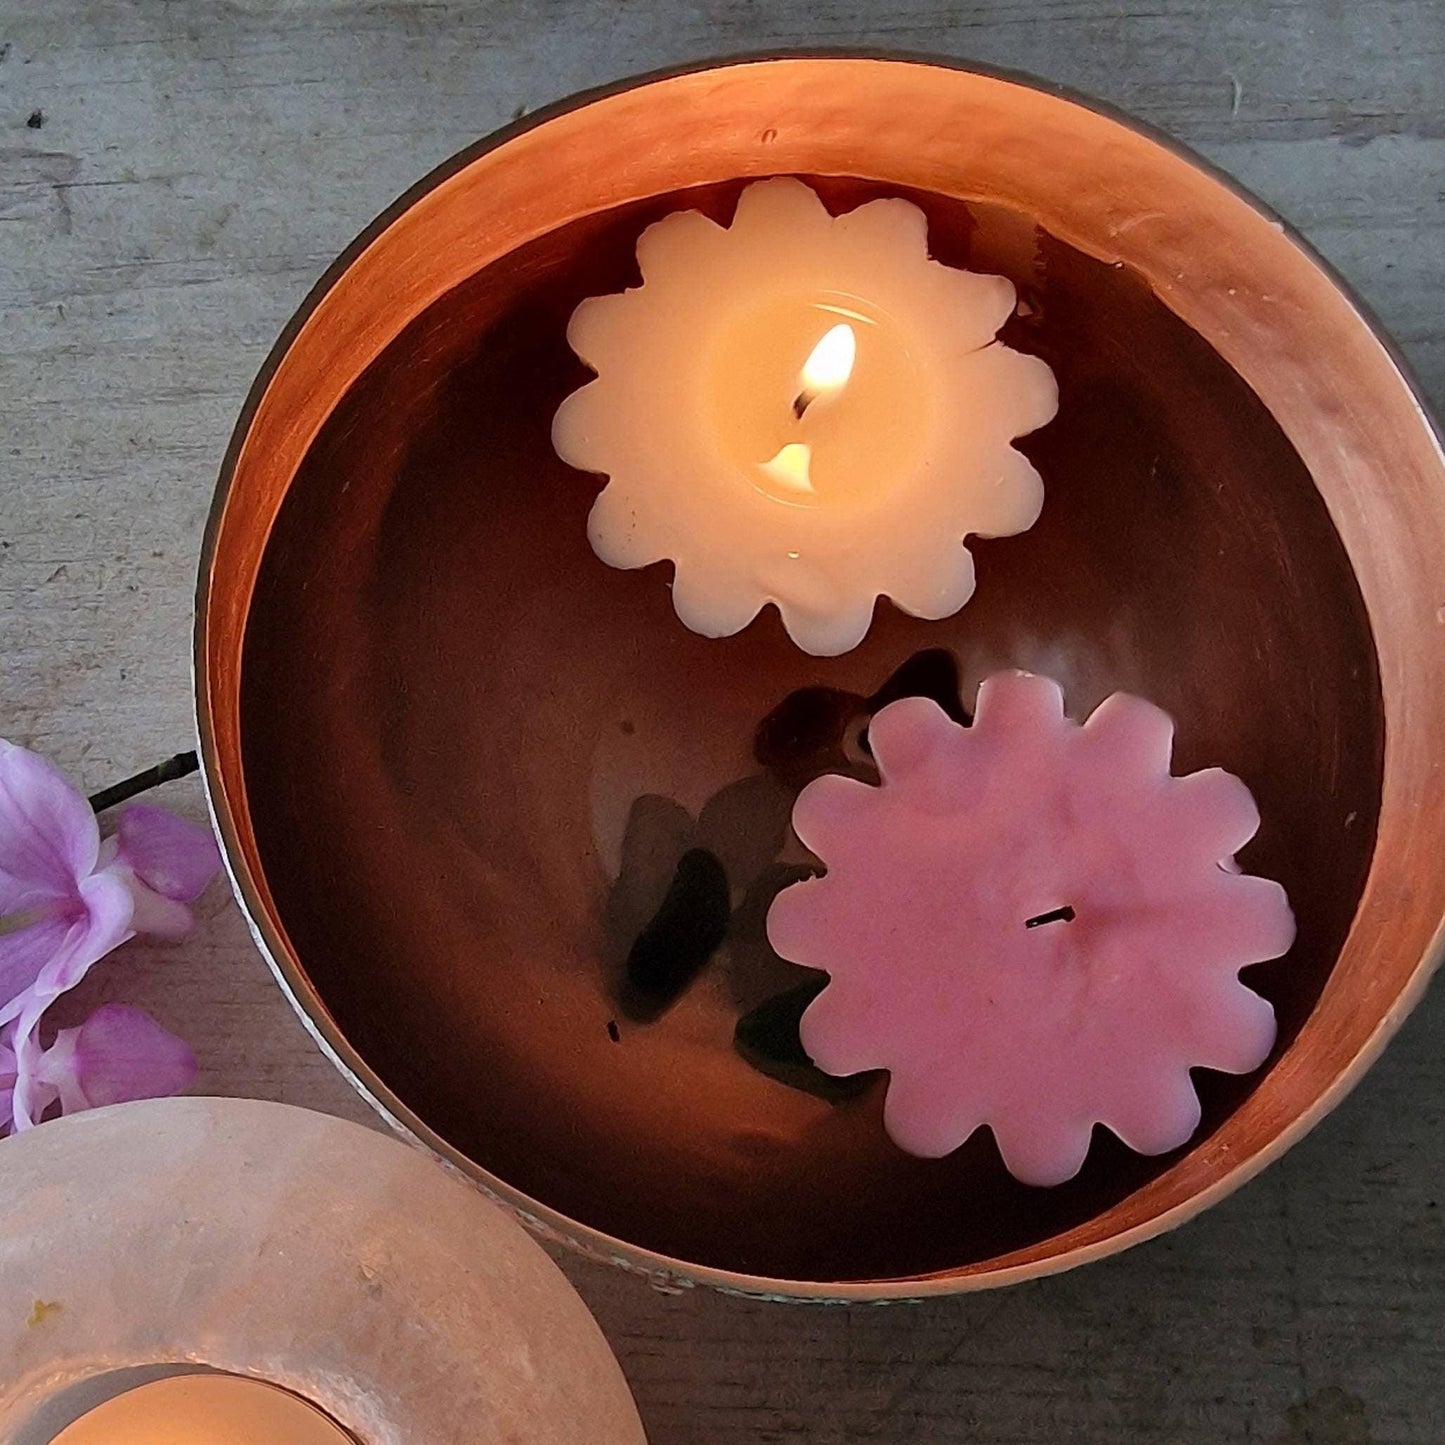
174 176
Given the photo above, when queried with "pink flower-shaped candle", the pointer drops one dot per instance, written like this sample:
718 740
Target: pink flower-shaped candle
1031 925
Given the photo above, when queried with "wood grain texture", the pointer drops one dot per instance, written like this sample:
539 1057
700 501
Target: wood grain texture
194 168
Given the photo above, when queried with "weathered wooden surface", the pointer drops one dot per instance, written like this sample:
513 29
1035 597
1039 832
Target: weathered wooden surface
172 179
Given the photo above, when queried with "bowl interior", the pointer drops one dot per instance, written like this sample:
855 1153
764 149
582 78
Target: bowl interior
456 724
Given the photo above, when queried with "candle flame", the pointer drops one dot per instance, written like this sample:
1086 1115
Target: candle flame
831 362
791 467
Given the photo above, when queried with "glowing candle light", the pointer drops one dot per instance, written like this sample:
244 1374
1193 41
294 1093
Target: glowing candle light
803 409
204 1410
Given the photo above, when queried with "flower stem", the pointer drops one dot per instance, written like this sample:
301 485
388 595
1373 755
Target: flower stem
176 767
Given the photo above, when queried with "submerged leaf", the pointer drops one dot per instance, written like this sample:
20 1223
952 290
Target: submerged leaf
684 933
768 1039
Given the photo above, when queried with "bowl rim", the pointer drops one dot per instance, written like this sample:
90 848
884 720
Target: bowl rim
662 1270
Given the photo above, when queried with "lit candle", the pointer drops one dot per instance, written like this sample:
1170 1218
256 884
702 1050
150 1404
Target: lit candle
805 410
1032 926
204 1410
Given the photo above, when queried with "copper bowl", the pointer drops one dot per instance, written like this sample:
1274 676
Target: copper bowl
425 707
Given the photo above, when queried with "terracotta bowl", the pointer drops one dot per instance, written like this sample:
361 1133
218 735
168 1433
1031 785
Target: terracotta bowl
428 713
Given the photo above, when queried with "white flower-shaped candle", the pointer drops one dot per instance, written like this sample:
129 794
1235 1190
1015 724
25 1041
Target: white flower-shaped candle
1032 926
803 409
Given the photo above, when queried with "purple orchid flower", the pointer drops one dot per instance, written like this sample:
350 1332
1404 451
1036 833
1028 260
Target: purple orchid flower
66 900
117 1054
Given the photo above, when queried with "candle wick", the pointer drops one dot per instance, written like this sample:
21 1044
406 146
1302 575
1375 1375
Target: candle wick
1054 915
802 402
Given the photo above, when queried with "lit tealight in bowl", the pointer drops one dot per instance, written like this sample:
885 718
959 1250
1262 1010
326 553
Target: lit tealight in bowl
805 410
229 1272
205 1410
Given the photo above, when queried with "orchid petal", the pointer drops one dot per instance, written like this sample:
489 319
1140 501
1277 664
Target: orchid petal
156 915
48 835
8 1070
99 922
116 1055
108 911
55 1068
172 856
30 1095
32 940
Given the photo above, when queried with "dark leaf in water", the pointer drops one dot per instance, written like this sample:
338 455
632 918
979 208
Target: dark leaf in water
768 1039
659 832
684 933
932 673
802 737
750 921
745 824
754 971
